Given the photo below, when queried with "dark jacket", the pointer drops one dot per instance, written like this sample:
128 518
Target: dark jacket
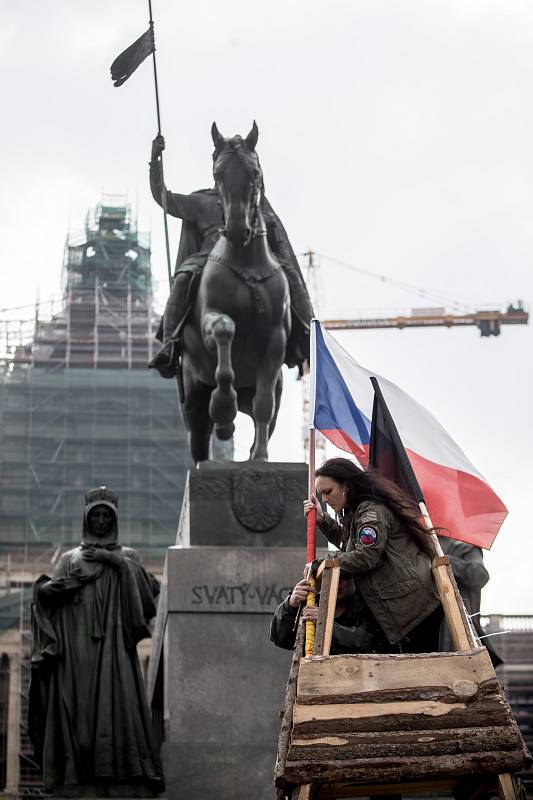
351 631
466 561
392 573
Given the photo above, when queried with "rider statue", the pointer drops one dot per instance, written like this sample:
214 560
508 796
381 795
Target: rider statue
202 220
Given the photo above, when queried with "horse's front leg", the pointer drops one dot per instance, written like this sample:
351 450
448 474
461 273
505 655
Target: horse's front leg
264 404
196 415
218 331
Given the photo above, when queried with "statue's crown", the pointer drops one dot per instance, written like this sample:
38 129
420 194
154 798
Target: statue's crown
101 494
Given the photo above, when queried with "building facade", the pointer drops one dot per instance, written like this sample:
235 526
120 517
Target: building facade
79 407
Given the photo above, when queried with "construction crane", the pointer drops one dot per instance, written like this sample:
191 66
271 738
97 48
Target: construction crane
488 322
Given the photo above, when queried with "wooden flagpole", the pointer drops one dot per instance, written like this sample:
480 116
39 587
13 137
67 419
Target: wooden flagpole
158 111
461 629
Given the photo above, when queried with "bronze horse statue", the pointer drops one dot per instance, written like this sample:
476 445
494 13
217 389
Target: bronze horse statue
236 334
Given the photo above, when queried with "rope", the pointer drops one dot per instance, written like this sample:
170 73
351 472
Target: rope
310 626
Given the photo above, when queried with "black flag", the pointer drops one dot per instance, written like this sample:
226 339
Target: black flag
387 453
127 62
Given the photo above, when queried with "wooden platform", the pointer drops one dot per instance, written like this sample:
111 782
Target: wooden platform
400 717
375 725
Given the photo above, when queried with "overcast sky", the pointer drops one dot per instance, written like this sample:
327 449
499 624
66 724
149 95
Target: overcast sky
393 136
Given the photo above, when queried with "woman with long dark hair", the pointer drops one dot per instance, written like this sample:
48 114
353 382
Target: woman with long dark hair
387 548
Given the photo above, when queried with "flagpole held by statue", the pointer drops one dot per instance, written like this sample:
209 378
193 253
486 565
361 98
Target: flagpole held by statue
121 69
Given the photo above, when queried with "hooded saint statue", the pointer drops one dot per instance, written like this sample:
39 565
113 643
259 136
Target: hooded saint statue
88 717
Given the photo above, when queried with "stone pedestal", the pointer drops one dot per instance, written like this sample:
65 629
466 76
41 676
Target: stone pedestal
244 504
224 679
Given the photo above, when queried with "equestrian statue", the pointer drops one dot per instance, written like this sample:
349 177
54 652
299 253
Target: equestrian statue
238 307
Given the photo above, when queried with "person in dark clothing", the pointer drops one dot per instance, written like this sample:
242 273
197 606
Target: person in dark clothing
353 631
386 547
471 575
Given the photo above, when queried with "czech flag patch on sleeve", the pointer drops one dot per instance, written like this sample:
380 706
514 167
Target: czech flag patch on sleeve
368 535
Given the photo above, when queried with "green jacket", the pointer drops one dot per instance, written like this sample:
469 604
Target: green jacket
392 573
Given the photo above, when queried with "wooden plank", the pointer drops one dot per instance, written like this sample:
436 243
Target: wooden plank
333 589
304 792
320 570
322 612
338 675
398 770
334 711
458 630
467 622
507 787
327 576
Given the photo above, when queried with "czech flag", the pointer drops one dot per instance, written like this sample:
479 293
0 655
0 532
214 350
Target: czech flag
458 498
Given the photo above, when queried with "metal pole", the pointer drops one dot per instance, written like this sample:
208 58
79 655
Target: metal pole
311 517
311 546
311 528
163 191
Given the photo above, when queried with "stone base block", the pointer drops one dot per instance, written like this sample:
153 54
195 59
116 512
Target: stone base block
225 679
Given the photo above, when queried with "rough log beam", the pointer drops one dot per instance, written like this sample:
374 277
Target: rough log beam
401 769
465 693
423 715
354 746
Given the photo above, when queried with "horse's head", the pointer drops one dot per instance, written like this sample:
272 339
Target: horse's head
239 182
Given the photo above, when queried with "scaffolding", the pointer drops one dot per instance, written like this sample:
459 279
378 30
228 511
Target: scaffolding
78 406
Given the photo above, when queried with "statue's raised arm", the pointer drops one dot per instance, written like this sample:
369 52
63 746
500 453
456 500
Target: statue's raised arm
183 206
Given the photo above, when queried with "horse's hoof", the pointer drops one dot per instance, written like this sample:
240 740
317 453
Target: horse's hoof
224 432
